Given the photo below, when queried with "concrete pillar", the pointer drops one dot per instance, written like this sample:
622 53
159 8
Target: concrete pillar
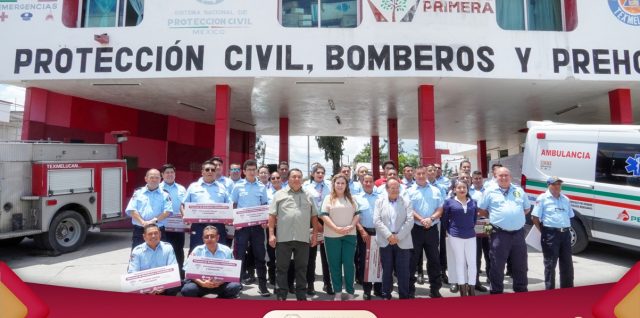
375 157
426 124
620 106
482 156
284 140
392 134
222 122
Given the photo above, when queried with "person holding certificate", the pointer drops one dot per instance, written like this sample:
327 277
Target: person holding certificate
250 193
210 249
340 215
153 253
206 190
366 228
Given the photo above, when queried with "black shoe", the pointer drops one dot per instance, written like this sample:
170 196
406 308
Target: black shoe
454 288
445 279
377 294
508 273
481 288
358 281
412 296
327 289
366 296
248 281
311 291
282 298
435 294
420 279
263 291
292 290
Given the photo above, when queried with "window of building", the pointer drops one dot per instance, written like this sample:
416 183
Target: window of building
320 13
611 164
503 153
537 15
102 13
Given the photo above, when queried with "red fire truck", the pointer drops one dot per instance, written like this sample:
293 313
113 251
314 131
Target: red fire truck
54 192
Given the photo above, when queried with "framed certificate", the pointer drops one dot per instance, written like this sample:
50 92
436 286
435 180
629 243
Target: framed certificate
256 215
151 279
227 270
208 213
373 264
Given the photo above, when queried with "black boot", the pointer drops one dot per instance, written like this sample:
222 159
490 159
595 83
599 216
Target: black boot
463 290
471 290
262 288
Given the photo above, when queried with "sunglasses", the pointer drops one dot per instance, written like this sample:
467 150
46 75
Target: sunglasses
235 169
209 169
209 237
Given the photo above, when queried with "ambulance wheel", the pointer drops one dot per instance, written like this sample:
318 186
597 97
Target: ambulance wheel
11 241
579 239
66 233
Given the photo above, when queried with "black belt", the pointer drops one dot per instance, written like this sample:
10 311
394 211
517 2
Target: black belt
559 229
503 230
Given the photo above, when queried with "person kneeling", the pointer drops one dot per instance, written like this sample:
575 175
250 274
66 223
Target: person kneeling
210 249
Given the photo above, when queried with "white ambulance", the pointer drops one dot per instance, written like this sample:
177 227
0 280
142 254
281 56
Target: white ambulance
600 166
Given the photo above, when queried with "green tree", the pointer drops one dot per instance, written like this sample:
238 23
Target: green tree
333 150
394 5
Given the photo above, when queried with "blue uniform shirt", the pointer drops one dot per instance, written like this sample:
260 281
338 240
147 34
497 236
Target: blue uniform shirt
476 194
553 212
506 209
318 190
149 204
222 251
425 200
143 257
444 182
355 187
408 183
367 203
202 192
177 193
247 194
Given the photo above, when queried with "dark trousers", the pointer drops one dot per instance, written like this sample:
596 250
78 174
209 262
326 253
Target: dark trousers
426 240
300 251
556 246
253 237
196 234
311 266
443 250
226 290
249 262
395 259
482 248
271 264
176 239
360 265
137 239
505 244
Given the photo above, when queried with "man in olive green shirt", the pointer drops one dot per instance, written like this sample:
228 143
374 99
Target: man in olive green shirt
292 210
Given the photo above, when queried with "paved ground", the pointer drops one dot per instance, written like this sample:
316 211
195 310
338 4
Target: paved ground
104 257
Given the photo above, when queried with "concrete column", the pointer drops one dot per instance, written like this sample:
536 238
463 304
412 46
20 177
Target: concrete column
482 156
392 134
426 124
284 140
620 106
375 157
222 124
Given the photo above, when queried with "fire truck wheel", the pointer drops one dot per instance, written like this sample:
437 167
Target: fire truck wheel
66 233
579 239
11 241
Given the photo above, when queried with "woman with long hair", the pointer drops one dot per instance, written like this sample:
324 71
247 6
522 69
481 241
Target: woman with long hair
340 215
459 220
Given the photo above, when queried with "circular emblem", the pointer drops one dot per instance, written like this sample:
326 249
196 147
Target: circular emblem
627 11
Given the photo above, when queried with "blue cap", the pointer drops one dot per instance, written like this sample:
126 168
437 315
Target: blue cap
553 180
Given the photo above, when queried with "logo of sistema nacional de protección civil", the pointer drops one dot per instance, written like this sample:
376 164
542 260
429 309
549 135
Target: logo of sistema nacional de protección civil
627 11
